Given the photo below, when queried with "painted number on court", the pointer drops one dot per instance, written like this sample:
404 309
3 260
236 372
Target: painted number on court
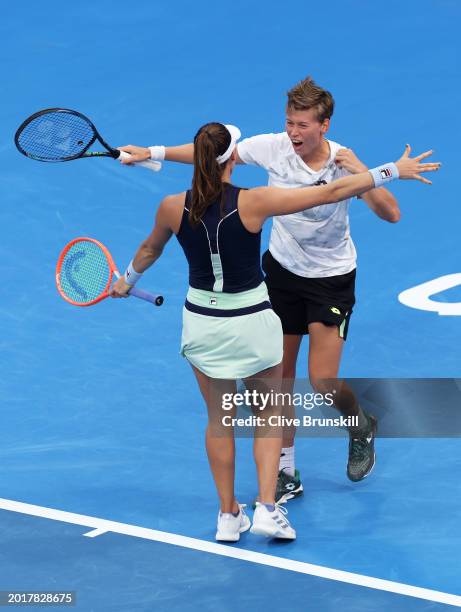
421 296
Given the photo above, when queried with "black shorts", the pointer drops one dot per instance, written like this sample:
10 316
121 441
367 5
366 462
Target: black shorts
299 301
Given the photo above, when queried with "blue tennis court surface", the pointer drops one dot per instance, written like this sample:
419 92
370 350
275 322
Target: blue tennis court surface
101 417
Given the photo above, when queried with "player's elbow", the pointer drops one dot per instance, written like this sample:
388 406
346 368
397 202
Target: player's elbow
392 209
393 216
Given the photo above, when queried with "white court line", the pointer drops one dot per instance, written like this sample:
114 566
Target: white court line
100 526
95 532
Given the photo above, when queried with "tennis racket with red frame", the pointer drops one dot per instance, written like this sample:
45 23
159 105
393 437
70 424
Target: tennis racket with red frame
85 271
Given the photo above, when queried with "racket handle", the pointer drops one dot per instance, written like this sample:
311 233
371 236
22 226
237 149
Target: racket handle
145 295
151 164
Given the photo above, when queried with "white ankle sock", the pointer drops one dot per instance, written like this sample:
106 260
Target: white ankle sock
287 460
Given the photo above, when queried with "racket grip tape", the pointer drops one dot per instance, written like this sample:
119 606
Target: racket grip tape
145 295
151 164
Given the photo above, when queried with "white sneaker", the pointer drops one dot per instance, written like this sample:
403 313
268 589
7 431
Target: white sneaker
272 524
230 527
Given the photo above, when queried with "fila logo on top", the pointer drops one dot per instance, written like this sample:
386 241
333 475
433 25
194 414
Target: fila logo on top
420 296
385 173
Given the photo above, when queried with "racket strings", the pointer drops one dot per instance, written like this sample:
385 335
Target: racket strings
85 272
55 136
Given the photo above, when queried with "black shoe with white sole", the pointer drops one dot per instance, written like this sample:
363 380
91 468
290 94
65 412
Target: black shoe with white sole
288 486
362 451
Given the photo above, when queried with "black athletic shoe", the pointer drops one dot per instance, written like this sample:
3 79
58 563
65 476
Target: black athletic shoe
362 451
288 487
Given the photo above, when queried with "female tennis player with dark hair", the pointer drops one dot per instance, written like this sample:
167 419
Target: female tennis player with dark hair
230 331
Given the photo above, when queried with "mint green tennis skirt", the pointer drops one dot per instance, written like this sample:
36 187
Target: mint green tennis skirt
231 335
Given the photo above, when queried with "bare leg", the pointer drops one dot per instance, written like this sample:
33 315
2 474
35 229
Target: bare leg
220 444
325 349
324 358
268 440
291 344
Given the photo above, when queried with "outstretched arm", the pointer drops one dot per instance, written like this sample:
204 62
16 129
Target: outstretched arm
183 154
265 202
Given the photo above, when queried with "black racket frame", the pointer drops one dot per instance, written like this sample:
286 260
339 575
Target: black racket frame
114 153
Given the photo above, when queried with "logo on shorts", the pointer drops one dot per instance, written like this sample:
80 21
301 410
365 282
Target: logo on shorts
213 301
335 310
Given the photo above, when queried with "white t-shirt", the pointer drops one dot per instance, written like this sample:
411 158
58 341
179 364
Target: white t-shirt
313 243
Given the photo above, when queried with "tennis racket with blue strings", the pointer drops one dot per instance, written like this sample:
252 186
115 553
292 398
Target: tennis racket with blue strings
85 271
61 134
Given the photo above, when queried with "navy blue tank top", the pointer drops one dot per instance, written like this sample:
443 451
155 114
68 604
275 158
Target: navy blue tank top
223 255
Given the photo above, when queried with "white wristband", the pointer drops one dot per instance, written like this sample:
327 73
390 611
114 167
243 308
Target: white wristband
131 276
384 174
157 153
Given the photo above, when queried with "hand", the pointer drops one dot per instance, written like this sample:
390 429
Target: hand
120 289
138 154
410 168
347 159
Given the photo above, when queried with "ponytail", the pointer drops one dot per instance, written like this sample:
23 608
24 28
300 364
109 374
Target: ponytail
210 141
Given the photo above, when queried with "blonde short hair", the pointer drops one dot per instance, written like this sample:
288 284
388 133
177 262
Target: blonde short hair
307 94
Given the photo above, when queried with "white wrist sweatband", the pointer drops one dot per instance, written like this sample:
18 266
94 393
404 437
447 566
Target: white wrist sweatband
157 153
384 174
131 276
